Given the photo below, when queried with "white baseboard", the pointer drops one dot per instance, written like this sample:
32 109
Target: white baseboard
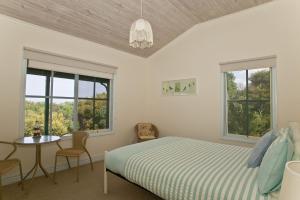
6 180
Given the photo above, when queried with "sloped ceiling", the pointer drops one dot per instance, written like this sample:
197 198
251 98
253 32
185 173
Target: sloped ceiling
107 22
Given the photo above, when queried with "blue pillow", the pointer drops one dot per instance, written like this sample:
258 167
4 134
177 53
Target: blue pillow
260 149
271 170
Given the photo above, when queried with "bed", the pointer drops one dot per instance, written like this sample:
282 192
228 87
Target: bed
176 168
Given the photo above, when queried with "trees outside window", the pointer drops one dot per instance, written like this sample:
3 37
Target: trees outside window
248 102
62 102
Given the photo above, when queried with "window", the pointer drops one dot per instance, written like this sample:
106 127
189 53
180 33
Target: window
37 100
93 103
248 101
64 102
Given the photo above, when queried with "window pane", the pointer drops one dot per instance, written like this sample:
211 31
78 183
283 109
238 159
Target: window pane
85 114
259 118
86 89
62 116
236 84
63 87
101 112
35 85
101 91
259 84
34 111
237 118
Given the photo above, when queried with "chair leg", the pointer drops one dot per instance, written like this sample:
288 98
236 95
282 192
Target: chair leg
77 176
21 176
54 173
68 162
91 162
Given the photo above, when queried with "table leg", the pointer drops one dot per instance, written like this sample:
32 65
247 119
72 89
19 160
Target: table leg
35 166
39 159
38 163
39 155
30 171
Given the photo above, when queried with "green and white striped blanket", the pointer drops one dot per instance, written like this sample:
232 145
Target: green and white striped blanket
187 169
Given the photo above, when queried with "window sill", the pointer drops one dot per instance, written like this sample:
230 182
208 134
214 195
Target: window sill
91 134
244 139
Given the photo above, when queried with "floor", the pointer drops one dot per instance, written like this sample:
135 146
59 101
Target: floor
90 187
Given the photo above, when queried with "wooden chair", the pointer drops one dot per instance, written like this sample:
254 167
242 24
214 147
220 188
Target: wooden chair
7 165
78 148
146 131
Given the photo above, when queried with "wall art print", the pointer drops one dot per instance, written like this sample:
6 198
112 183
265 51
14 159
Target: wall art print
179 87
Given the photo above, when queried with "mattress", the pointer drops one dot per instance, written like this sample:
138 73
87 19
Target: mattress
177 168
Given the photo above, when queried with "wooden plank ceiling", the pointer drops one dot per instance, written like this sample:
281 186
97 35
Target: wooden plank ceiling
108 21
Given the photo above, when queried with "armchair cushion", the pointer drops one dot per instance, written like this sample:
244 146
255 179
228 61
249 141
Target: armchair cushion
7 165
70 152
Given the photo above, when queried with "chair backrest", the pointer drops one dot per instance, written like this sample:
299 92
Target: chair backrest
13 151
79 139
146 129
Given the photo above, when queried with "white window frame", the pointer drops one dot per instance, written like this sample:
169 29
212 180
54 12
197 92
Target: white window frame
224 125
89 72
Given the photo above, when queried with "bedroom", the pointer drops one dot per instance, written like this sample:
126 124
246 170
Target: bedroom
269 30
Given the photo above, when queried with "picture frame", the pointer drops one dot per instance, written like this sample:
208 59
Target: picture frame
180 87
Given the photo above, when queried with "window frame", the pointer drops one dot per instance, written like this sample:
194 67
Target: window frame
94 99
50 97
273 109
46 96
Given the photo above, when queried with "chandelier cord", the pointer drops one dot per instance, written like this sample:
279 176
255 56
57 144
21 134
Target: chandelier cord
142 8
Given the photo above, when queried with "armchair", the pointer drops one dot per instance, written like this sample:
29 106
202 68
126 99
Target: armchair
78 148
8 164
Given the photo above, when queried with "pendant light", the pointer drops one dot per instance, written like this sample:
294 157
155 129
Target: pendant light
141 35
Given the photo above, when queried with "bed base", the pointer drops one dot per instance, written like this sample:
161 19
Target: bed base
105 189
105 175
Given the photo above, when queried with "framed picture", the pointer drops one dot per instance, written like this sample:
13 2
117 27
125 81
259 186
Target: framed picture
179 87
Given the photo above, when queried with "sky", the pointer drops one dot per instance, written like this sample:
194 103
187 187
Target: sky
240 76
35 85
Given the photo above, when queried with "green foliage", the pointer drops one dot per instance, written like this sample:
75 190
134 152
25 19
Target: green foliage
231 85
259 87
237 118
34 111
250 117
62 116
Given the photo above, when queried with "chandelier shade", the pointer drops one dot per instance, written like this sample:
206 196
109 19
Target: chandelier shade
141 35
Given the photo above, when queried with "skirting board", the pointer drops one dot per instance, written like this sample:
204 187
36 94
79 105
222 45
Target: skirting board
6 180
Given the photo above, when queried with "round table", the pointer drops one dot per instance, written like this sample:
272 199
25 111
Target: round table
37 141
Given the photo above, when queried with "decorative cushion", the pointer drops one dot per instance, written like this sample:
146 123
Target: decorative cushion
145 130
260 149
295 132
271 170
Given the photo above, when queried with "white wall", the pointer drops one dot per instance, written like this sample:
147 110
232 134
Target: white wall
270 29
130 85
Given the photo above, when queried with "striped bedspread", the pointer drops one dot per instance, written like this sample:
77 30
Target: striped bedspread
187 169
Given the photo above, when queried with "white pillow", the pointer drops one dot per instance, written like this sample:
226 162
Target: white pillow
295 133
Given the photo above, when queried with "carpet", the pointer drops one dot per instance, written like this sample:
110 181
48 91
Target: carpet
90 187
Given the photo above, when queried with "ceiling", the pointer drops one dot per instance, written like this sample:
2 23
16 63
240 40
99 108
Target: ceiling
107 22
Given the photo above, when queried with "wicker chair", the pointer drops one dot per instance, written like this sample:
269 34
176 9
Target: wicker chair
146 131
79 147
7 165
